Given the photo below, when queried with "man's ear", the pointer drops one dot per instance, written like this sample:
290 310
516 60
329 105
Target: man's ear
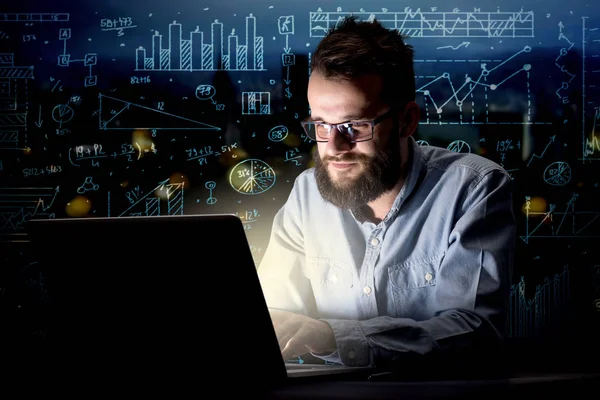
410 118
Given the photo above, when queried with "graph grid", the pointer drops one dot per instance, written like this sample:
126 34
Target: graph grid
419 23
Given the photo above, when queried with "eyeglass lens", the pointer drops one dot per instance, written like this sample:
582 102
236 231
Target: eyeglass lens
352 130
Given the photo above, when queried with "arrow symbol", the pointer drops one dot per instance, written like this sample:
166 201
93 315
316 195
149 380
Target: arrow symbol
39 122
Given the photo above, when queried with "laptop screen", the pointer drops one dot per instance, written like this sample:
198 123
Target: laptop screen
164 295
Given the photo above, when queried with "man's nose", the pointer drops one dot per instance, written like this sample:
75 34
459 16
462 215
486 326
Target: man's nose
338 143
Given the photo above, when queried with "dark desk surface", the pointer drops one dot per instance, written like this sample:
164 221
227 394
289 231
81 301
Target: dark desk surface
554 385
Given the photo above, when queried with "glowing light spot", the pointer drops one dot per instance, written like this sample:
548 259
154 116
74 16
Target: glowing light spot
78 207
536 205
141 140
178 178
292 140
232 157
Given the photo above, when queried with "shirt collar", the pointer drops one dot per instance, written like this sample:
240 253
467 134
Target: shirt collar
416 169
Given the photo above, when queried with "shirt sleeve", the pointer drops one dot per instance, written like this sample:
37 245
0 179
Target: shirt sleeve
281 270
473 284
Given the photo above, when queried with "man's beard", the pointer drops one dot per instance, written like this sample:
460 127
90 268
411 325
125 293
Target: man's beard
379 174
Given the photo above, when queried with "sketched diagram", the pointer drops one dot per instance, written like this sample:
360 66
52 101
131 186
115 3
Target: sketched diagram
569 223
436 24
19 204
117 114
529 317
557 174
256 103
591 144
459 146
62 113
590 49
13 103
88 60
252 176
472 94
149 204
203 51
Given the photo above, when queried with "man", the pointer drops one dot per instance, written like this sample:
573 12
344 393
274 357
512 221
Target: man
384 248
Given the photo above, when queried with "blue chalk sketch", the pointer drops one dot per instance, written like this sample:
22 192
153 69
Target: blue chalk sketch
203 51
557 174
256 103
570 223
440 92
278 133
110 108
210 185
62 113
88 60
207 92
150 204
19 204
547 307
87 185
14 89
459 146
417 23
535 156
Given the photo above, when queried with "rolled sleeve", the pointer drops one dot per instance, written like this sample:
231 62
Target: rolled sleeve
352 345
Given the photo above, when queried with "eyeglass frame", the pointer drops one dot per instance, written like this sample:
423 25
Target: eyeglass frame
373 122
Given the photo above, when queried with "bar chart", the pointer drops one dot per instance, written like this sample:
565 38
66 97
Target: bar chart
201 50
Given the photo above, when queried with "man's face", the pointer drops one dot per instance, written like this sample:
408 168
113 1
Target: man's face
350 175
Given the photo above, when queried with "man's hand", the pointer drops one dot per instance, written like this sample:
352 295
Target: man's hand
298 334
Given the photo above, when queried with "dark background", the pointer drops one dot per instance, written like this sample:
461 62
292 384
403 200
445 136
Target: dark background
90 128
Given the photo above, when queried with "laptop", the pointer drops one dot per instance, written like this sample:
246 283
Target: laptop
173 297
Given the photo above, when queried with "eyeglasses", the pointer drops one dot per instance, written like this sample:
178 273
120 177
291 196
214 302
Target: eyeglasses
353 131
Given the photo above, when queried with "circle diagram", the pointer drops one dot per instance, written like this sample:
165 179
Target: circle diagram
459 146
557 174
278 133
62 113
205 92
252 176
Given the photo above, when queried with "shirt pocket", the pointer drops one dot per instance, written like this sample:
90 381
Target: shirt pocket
412 285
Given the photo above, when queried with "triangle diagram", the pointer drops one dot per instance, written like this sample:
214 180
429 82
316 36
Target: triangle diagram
117 114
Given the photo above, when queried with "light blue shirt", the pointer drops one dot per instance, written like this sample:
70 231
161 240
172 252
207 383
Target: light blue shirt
435 273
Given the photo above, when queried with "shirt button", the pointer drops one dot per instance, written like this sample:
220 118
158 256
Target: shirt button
351 354
428 277
375 242
367 289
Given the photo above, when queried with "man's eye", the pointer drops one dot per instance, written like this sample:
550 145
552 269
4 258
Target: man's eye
359 125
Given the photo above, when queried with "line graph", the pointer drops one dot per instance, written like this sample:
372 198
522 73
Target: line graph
19 204
534 156
530 317
471 96
519 24
590 51
591 144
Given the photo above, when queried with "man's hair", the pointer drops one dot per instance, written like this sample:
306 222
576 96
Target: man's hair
354 48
